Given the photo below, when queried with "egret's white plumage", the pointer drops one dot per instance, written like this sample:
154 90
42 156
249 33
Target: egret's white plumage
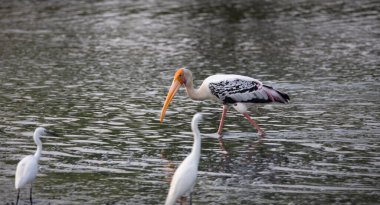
27 168
26 172
237 90
184 177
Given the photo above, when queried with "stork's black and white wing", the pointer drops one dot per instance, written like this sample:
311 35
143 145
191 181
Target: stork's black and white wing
241 89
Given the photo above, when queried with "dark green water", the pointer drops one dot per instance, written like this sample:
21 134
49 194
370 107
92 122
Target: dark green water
97 72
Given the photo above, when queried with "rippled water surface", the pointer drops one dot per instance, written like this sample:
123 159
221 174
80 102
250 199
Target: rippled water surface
97 72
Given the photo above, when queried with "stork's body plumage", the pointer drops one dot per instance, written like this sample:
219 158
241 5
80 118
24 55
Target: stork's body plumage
236 90
184 177
231 89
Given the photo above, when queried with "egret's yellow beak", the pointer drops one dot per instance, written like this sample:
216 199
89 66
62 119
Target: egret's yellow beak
178 80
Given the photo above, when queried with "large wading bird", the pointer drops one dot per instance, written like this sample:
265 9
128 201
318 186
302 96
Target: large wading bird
27 168
184 177
235 90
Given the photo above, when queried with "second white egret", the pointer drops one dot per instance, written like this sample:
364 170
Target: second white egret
184 177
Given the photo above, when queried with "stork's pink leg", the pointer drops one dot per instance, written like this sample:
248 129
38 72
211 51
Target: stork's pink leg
222 119
222 146
261 132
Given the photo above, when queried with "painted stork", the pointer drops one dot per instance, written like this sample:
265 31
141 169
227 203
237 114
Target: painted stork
235 90
184 177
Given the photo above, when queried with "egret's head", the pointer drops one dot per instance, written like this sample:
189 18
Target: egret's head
197 118
41 131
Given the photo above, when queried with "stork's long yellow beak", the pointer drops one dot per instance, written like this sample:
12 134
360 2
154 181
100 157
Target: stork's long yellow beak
172 91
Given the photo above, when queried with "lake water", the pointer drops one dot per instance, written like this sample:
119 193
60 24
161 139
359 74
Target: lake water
97 72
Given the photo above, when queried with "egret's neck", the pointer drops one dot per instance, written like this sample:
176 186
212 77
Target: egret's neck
39 146
195 94
196 151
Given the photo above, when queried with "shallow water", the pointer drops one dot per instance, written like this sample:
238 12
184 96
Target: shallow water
98 72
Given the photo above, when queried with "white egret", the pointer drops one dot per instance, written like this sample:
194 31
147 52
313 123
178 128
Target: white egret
27 168
228 89
184 177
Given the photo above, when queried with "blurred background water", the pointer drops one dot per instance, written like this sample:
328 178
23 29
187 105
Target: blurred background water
97 72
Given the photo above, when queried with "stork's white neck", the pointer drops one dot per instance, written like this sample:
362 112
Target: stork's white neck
195 94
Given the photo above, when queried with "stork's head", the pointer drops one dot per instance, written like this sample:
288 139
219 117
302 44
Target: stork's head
181 77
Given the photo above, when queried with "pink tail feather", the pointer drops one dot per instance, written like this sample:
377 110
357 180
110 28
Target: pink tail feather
275 95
